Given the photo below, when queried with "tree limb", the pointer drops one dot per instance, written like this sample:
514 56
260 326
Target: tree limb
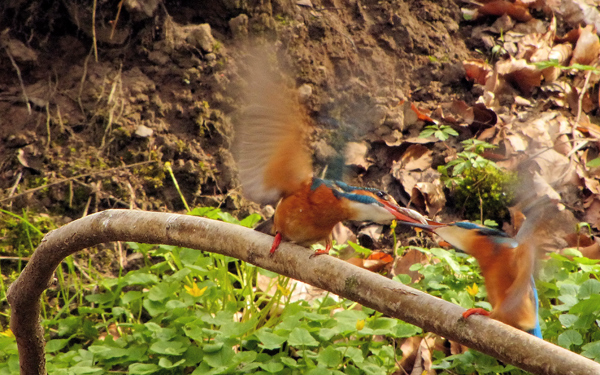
372 290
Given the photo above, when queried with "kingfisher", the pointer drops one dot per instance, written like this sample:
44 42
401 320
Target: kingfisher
275 167
507 265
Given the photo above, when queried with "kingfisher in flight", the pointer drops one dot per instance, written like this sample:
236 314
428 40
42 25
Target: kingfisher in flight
507 264
275 167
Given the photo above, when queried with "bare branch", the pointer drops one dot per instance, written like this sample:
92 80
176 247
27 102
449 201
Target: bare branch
377 292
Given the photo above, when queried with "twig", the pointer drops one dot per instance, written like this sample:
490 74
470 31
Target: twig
82 82
94 41
75 178
14 64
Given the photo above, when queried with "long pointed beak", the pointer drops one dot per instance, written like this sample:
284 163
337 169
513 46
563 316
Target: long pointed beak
405 214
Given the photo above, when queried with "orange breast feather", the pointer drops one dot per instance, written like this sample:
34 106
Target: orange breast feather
301 217
507 272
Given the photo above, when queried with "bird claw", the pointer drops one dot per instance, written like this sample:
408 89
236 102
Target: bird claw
276 243
475 311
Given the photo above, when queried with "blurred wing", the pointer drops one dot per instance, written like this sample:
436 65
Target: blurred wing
521 303
519 309
272 159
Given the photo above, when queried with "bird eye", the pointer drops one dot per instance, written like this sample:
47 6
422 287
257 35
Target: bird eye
381 194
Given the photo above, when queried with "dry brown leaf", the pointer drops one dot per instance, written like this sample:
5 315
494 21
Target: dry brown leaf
416 157
592 251
561 53
356 154
587 47
409 348
579 240
429 194
588 128
592 212
402 264
577 12
500 8
477 70
520 74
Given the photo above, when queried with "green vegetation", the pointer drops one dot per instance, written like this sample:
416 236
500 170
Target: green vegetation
187 311
477 184
441 132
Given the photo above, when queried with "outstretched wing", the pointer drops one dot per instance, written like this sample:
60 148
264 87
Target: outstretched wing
272 158
521 303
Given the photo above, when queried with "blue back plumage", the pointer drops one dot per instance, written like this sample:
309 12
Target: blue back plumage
495 235
343 190
537 330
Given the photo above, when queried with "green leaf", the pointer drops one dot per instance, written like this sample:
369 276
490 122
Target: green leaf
354 354
359 249
221 358
381 326
250 221
347 320
56 345
143 368
289 362
301 337
268 339
592 350
69 325
447 257
570 337
587 307
330 357
272 367
237 329
167 364
101 298
402 330
108 352
593 163
168 347
371 368
163 291
85 370
567 320
140 278
189 256
589 288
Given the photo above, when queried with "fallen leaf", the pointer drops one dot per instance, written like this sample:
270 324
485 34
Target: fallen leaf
356 154
416 157
520 74
402 264
592 213
429 194
587 47
477 70
500 8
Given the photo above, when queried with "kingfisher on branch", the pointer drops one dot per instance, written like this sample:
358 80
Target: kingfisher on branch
275 167
507 264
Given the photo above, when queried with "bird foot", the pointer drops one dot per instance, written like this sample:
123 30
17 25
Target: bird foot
475 311
323 251
276 243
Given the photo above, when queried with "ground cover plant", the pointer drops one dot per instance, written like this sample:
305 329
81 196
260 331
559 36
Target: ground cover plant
186 310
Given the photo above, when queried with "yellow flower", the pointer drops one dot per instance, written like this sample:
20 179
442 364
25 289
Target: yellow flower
360 324
7 333
473 290
285 291
194 290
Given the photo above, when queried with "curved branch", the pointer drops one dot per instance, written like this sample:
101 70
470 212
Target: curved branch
372 290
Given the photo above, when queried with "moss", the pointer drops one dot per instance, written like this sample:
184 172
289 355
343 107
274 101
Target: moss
21 236
486 190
